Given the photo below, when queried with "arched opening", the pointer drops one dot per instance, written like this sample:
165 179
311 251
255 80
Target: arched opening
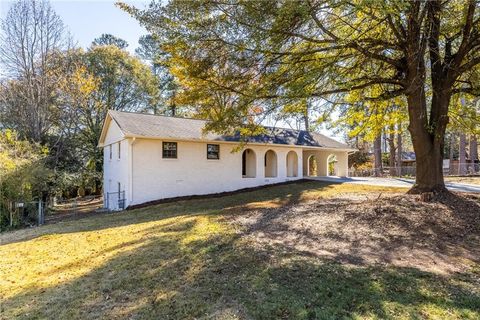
270 162
332 165
249 167
312 166
292 164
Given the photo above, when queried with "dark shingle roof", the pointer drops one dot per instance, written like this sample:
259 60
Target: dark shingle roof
154 126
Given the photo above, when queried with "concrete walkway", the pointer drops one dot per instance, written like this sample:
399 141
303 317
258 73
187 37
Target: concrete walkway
395 182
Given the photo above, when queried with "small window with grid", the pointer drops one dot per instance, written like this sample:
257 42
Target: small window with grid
213 151
169 150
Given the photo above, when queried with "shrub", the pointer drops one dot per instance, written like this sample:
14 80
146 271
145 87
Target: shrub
23 175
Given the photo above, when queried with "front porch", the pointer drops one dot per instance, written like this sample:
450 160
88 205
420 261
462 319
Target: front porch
325 163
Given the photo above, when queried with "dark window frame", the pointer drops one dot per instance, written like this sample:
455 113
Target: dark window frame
169 153
213 152
119 150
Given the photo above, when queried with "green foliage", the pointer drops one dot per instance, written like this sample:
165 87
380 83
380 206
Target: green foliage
368 118
150 51
94 81
81 192
358 159
121 82
464 114
110 40
385 158
23 175
124 82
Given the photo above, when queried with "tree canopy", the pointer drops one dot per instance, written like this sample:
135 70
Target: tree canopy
54 98
110 40
265 55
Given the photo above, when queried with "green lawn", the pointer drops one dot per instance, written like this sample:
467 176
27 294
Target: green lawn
187 260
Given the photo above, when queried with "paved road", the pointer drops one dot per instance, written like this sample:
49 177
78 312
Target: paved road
396 182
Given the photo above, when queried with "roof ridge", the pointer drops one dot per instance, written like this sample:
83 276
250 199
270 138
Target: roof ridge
157 115
188 118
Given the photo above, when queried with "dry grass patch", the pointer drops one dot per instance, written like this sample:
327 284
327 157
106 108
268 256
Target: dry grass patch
370 229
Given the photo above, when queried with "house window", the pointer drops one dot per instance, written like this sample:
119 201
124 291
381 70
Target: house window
119 149
169 150
213 151
110 151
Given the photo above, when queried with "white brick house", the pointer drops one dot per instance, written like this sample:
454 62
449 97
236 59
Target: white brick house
150 157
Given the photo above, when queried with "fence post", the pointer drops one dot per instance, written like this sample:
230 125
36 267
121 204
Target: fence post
40 213
11 213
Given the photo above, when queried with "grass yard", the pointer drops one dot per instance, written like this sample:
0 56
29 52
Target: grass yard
308 250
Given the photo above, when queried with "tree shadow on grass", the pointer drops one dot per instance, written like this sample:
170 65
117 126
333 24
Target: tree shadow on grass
281 194
443 237
173 275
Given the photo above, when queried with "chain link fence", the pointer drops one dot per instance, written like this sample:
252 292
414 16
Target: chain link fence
455 169
26 213
115 201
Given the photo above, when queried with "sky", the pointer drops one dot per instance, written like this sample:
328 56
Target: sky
88 19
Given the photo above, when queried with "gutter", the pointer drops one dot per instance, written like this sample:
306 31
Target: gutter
236 142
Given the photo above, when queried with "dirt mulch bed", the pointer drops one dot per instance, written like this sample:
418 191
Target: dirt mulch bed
442 236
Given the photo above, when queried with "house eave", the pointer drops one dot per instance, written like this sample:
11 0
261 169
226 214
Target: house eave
106 124
127 136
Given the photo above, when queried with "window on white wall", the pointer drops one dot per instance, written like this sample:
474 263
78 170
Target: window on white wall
110 148
119 150
213 151
169 150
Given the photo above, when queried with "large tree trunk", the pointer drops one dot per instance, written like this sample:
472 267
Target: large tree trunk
428 125
377 154
429 161
427 143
